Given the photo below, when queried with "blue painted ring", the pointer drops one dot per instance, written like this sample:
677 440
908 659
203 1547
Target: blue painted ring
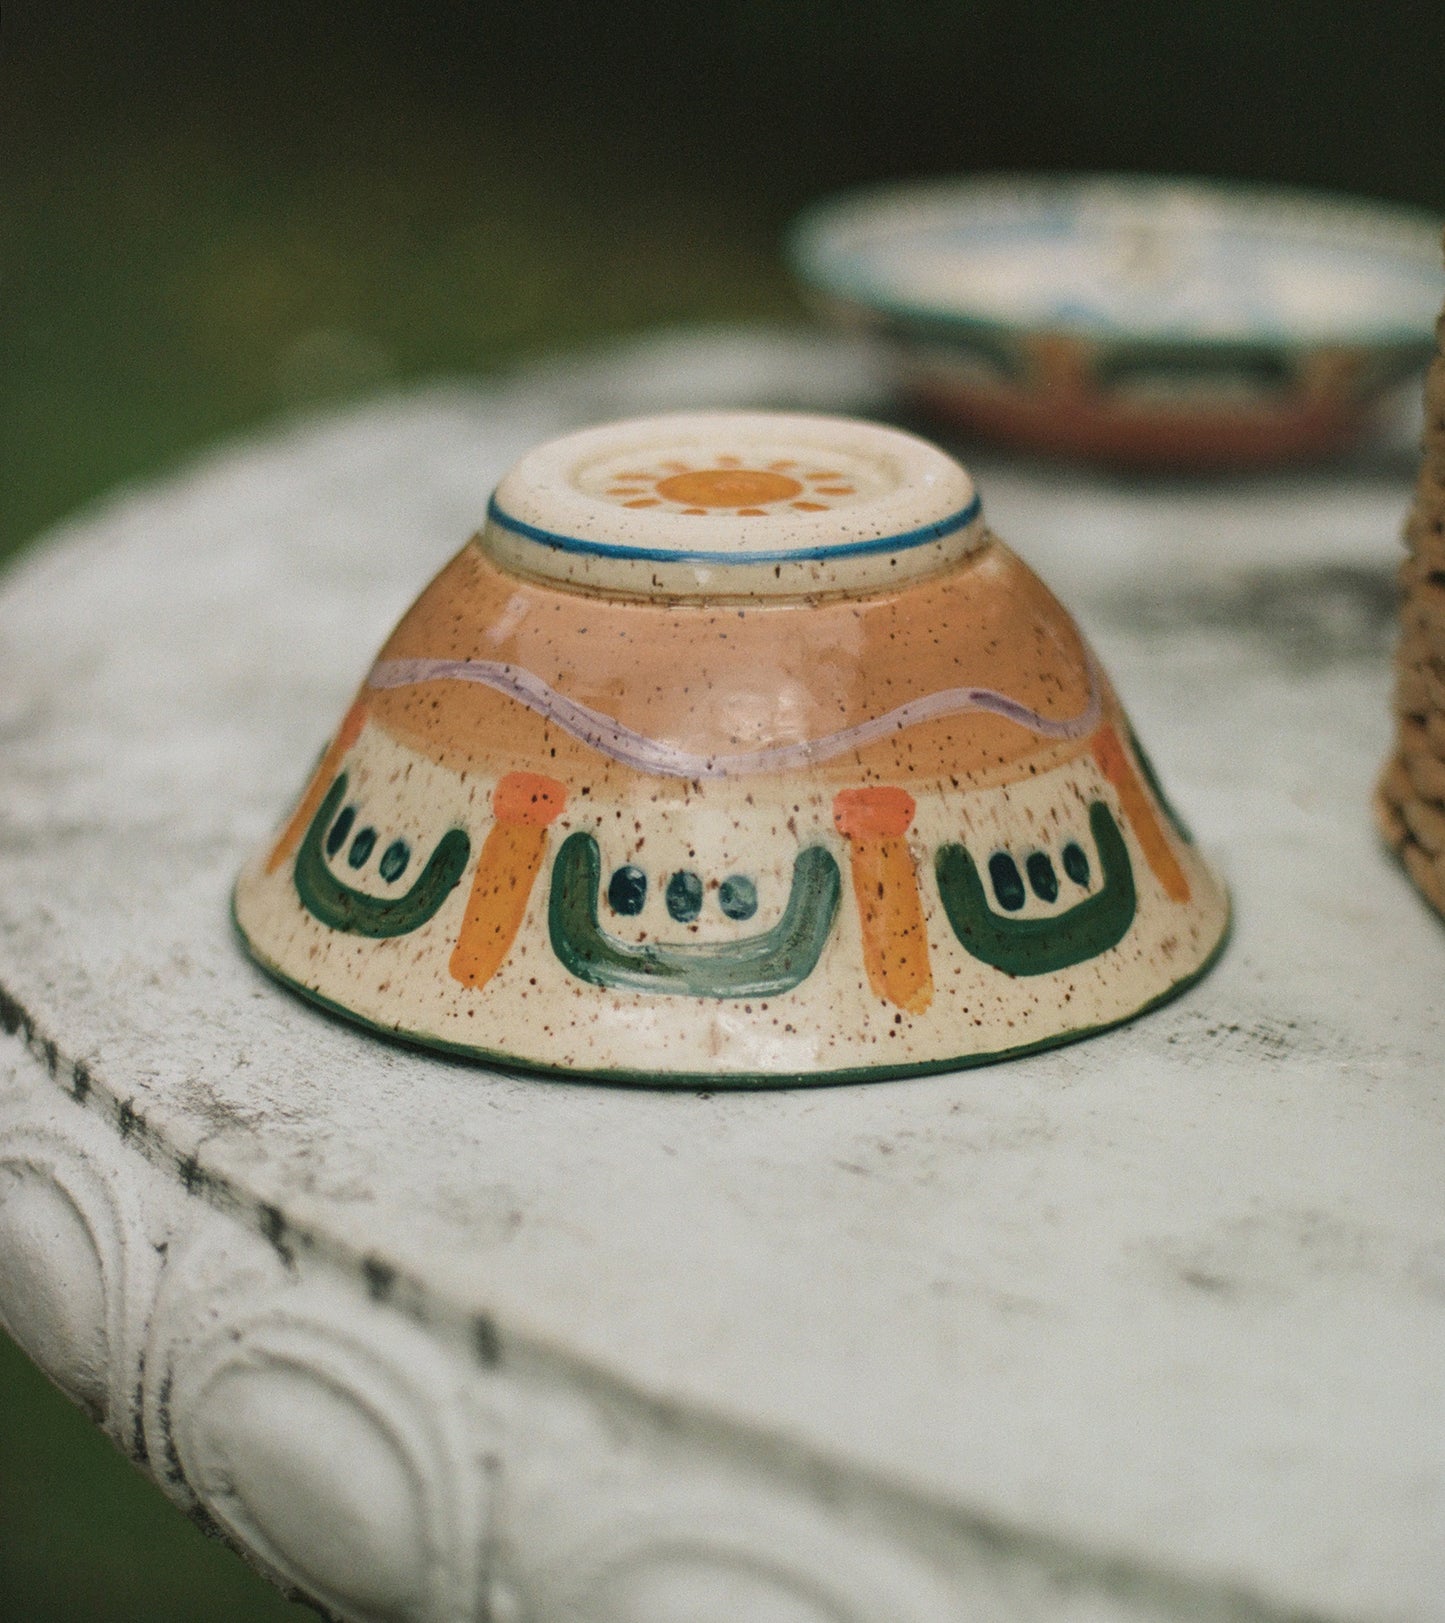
903 542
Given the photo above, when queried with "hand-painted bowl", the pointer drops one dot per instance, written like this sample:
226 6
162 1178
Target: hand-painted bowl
1139 321
735 749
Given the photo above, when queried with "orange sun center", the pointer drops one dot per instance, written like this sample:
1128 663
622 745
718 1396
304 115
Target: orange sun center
727 487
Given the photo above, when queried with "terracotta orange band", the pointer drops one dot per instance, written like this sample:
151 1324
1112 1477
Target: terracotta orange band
525 803
350 731
885 883
1116 766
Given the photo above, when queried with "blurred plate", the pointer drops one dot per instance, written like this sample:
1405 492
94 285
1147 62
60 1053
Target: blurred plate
1135 320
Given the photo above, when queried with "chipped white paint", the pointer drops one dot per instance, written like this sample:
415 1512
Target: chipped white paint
1148 1329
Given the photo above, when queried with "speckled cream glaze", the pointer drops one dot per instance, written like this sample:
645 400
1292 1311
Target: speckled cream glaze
896 824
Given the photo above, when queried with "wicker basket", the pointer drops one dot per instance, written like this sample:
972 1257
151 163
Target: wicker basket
1410 800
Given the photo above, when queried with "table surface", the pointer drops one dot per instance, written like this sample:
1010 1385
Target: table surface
1173 1298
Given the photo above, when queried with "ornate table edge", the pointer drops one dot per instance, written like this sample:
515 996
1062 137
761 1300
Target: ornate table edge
381 1457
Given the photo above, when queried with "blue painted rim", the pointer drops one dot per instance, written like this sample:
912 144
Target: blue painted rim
850 549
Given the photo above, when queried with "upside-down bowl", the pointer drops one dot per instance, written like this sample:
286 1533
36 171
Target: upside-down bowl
734 749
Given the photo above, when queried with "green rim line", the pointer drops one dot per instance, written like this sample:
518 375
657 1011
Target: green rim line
708 1081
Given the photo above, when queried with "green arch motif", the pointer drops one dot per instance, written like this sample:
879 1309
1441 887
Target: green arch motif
1037 946
1151 777
763 965
340 907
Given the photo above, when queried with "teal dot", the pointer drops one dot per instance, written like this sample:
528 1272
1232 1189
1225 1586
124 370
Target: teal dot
394 860
1076 864
361 848
339 830
627 890
737 896
1042 877
684 896
1008 884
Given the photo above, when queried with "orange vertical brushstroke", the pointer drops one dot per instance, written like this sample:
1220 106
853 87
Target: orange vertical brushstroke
524 803
885 883
350 731
1138 807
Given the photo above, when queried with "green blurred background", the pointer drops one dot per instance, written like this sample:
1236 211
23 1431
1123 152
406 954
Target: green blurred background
211 217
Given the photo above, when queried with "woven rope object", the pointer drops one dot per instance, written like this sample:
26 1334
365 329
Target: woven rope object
1410 800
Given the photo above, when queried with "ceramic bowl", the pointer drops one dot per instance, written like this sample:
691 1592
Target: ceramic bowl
1133 320
735 749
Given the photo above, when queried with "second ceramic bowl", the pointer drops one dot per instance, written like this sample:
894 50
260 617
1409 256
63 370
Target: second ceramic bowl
1133 320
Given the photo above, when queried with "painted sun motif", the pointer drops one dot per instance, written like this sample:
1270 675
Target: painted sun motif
732 486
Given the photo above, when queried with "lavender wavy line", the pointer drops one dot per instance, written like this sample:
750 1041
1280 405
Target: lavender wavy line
634 749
